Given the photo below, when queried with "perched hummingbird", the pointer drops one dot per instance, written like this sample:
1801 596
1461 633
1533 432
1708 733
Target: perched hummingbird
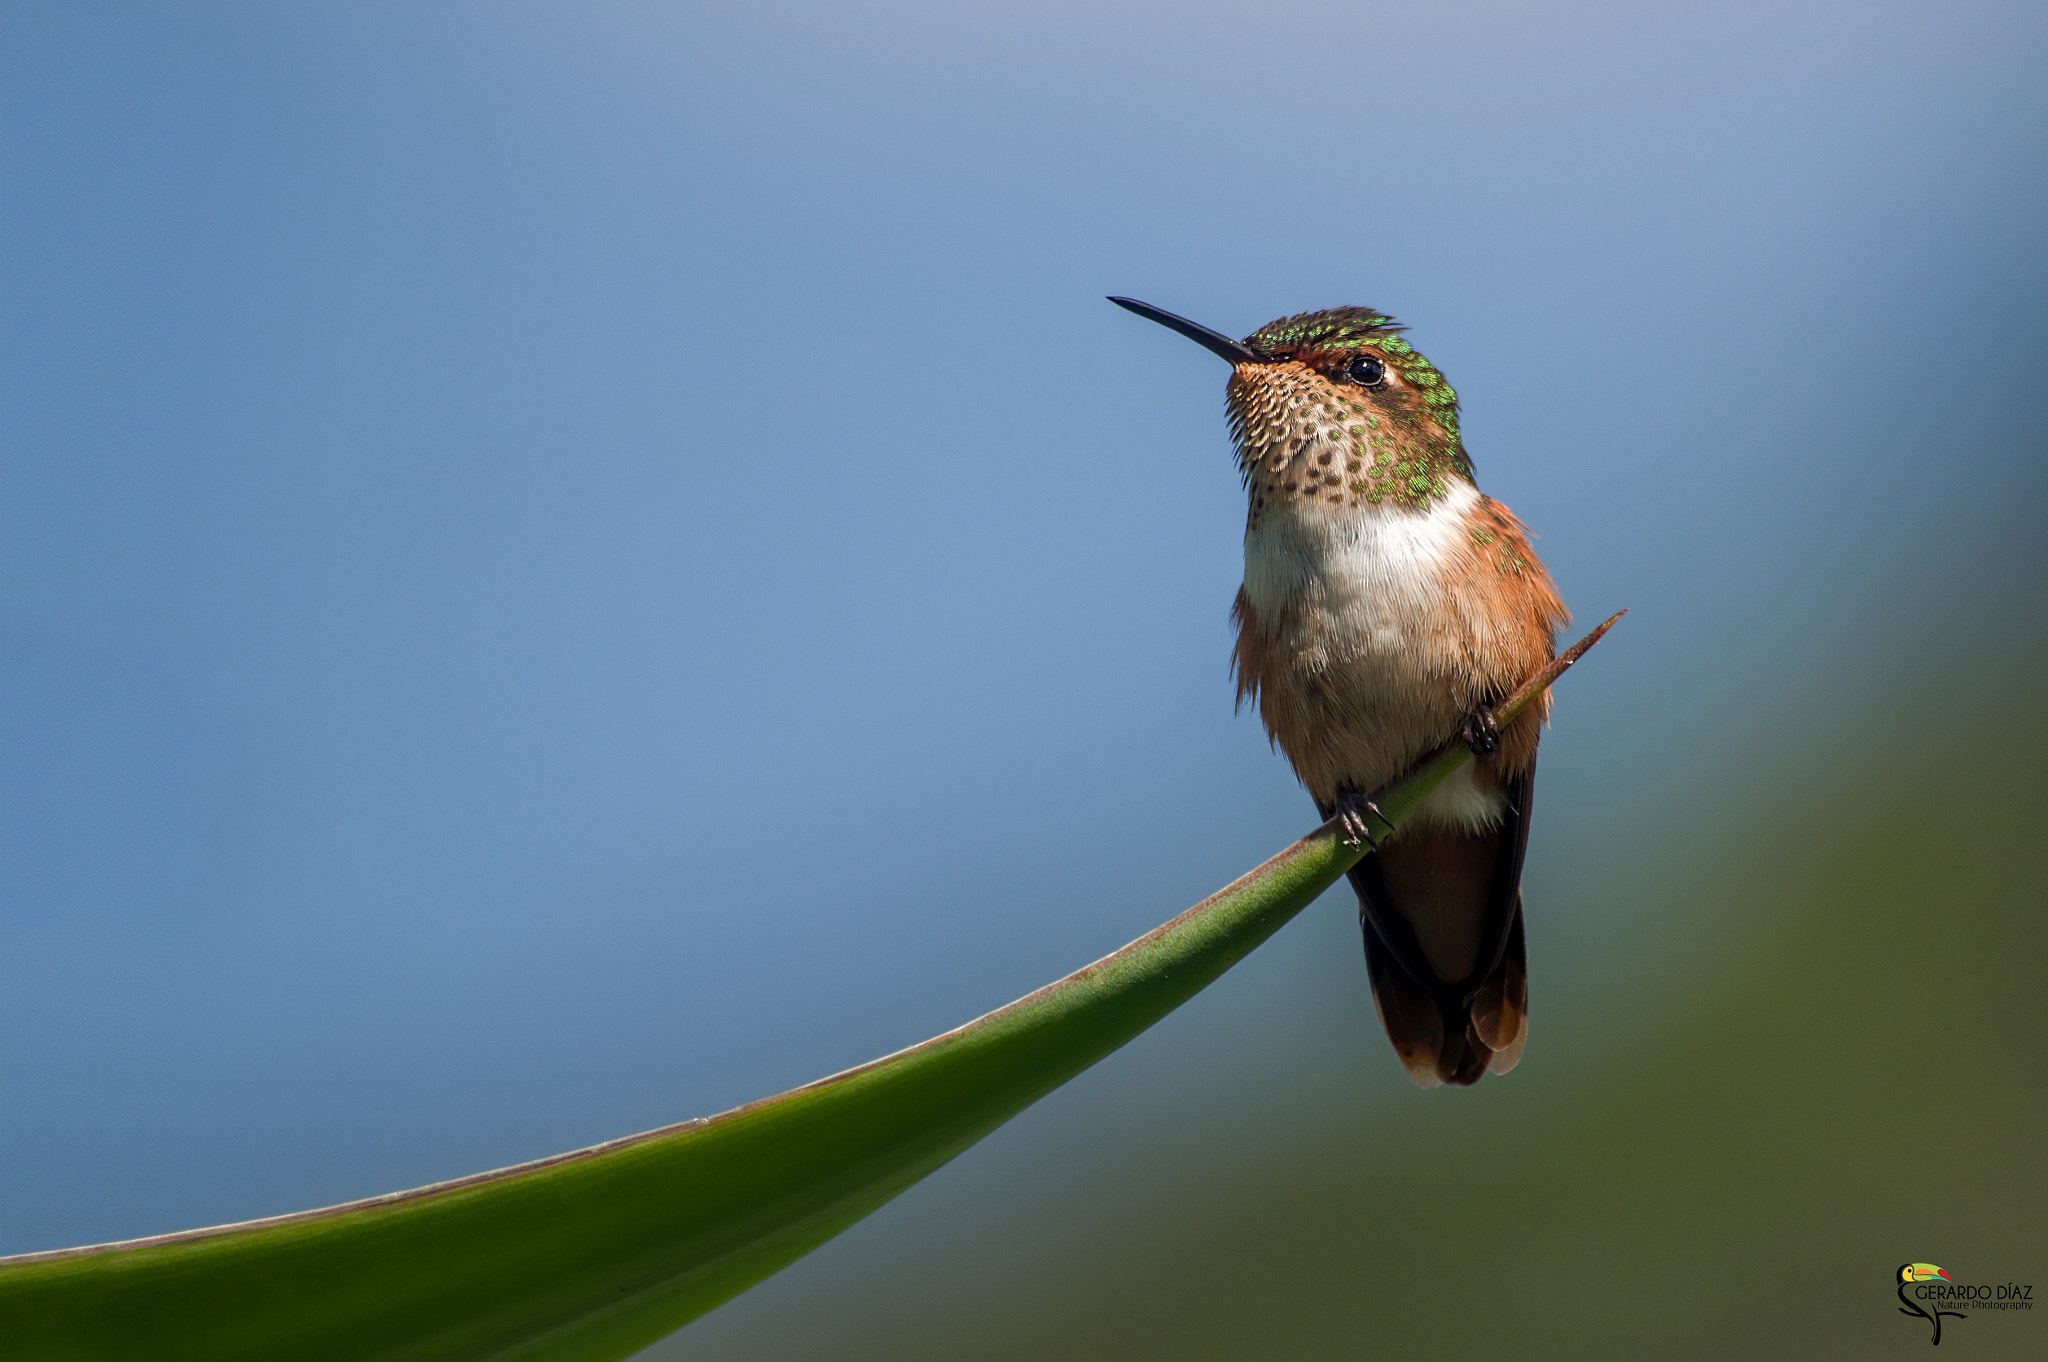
1386 605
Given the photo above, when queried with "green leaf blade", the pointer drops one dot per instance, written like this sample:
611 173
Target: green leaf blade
597 1253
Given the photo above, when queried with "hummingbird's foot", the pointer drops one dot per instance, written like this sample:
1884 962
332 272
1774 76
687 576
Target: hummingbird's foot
1482 733
1352 811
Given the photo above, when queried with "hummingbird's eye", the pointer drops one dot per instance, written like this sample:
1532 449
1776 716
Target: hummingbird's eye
1366 371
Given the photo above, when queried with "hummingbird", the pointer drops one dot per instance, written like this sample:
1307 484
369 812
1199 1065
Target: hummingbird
1387 604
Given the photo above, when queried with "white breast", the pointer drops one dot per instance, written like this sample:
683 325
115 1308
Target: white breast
1358 596
1375 568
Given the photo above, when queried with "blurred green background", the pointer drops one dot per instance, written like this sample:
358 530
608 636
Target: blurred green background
478 482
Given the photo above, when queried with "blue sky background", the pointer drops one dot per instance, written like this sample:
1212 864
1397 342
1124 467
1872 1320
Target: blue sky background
567 566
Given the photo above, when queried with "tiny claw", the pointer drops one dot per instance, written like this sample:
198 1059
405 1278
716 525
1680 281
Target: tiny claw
1351 816
1482 732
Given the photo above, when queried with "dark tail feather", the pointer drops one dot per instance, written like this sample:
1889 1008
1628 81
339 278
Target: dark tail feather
1500 1009
1459 894
1408 1011
1439 1039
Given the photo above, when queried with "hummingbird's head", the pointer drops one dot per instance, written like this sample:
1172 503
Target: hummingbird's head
1334 408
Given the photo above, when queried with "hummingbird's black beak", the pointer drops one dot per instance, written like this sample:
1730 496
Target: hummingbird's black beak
1234 351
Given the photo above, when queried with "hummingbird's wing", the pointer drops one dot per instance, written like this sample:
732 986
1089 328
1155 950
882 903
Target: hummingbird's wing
1441 913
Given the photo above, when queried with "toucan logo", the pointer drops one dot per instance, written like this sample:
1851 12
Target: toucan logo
1911 1273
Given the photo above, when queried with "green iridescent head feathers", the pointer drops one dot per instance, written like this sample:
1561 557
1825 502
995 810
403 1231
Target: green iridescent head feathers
1327 339
1337 328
